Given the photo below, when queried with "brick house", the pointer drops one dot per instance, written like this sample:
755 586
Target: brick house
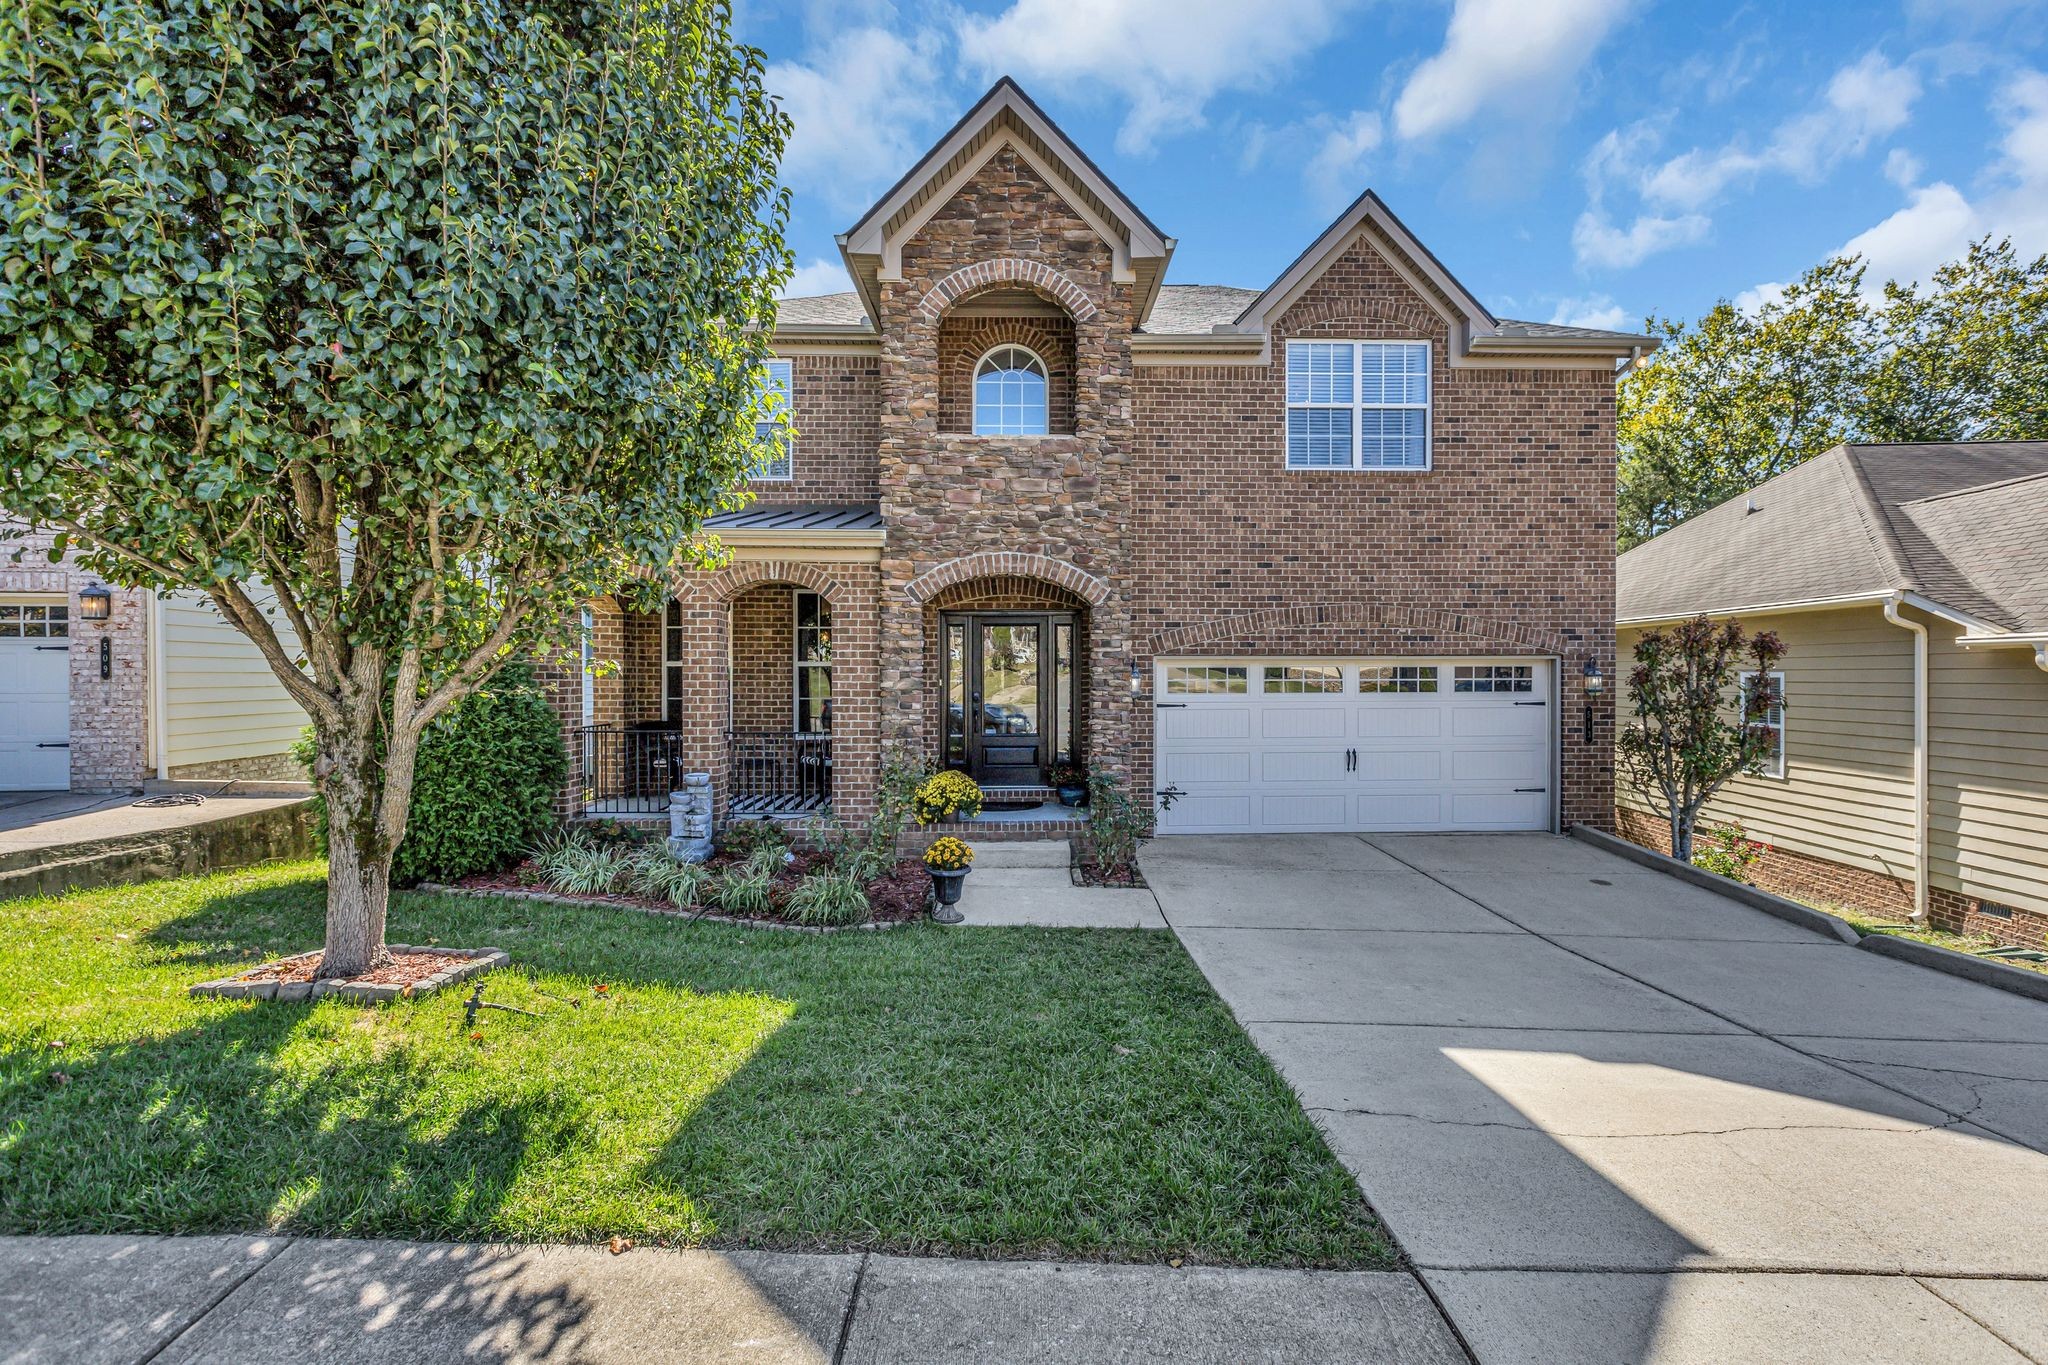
1332 554
158 688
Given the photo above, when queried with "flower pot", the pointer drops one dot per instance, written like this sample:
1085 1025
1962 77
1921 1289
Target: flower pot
1072 796
946 885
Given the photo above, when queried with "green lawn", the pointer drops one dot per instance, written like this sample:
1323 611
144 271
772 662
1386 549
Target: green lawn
988 1091
1864 922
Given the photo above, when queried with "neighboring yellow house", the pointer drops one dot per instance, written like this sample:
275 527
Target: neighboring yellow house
1910 586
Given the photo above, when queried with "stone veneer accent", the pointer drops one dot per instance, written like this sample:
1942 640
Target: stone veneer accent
964 341
1821 880
109 717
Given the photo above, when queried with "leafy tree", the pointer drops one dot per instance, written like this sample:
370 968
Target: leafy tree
1743 396
1697 723
434 320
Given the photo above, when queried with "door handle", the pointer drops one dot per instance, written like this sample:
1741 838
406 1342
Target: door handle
64 745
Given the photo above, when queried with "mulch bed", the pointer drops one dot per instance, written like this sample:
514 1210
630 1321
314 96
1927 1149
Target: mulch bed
896 897
1094 874
411 973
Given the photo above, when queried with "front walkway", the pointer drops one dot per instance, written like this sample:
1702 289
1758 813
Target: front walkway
1614 1117
129 1299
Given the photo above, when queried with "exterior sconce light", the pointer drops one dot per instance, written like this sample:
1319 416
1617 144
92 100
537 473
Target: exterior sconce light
95 603
1595 683
1137 679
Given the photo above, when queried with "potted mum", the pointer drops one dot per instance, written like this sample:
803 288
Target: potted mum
1069 781
947 796
949 860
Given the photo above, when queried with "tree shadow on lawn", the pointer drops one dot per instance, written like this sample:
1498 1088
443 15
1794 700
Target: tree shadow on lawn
1010 1092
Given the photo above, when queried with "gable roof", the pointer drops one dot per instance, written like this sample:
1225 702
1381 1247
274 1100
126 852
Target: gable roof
1957 523
1004 116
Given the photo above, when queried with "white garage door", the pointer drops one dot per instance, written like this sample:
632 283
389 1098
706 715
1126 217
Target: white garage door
1285 745
35 696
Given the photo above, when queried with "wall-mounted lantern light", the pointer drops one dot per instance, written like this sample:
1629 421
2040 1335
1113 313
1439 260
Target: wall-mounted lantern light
1595 683
1137 679
95 603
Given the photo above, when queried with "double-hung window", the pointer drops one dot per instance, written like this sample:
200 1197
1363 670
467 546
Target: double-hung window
771 434
1773 719
1358 405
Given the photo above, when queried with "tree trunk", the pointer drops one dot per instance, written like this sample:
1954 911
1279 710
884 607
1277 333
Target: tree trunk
1681 837
358 894
367 787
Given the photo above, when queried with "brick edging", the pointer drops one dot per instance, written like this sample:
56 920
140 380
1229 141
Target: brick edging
1792 911
469 962
1981 970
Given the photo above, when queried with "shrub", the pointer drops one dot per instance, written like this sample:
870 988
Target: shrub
744 838
828 898
767 861
1066 775
1114 825
484 785
947 794
743 891
948 854
1727 851
660 874
596 870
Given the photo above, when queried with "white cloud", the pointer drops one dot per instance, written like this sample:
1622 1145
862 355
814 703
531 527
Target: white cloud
1937 224
2023 105
1599 242
1902 168
1168 58
1503 53
1864 102
862 105
1335 173
815 277
1595 310
1754 301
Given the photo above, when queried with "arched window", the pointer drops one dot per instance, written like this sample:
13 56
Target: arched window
1009 393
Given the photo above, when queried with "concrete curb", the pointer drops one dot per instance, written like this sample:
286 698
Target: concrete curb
1790 911
1981 970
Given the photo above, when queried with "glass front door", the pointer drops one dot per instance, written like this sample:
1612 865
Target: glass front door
1009 695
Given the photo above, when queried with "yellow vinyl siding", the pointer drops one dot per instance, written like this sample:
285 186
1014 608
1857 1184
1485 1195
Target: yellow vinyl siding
1847 792
221 701
1988 771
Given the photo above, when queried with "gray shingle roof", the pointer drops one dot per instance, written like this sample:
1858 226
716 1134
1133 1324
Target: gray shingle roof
1958 523
1180 310
809 516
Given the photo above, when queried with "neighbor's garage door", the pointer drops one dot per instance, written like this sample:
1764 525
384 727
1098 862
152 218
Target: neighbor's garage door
35 696
1277 745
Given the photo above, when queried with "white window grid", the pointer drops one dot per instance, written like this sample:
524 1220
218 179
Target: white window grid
777 463
1010 393
1493 678
34 621
1203 679
1303 678
1397 678
1774 719
1358 405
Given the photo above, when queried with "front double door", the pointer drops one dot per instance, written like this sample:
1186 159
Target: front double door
1009 694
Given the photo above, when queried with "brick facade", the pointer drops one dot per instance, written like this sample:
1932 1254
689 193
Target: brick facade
109 716
1159 509
1805 877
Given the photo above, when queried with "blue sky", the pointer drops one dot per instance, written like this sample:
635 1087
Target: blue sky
1587 161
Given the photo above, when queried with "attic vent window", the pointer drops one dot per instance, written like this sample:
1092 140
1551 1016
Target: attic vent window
1009 393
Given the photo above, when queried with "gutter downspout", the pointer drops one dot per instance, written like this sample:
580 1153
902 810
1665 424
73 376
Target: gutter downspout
1920 832
159 723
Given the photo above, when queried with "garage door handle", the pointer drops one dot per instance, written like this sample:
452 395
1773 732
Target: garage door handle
1171 705
1531 789
63 745
1532 703
55 649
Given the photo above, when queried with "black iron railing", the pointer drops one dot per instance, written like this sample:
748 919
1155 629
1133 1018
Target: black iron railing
770 772
630 770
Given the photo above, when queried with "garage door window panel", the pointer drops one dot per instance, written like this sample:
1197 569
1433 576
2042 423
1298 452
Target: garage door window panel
1293 680
1194 680
1493 678
31 621
1397 678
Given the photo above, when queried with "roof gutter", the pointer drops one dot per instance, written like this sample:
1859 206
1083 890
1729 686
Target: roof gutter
2036 640
1985 630
1920 823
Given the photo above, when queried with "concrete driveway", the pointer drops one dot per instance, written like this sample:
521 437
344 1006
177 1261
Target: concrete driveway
1614 1117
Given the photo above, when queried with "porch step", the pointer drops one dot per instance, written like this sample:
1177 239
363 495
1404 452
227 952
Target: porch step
1024 853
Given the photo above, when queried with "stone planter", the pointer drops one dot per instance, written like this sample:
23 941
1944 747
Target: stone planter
946 888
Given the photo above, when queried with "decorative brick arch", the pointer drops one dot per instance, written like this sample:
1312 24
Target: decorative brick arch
1436 620
735 579
969 279
989 564
1417 317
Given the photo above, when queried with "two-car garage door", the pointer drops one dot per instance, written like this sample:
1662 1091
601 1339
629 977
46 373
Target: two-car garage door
1287 745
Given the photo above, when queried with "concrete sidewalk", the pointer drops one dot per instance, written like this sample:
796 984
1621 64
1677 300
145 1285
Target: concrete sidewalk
83 1300
51 842
1032 883
1613 1116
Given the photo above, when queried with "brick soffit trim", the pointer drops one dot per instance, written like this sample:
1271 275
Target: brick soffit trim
1438 620
930 583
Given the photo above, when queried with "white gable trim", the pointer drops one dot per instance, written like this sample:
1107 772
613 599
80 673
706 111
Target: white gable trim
865 237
